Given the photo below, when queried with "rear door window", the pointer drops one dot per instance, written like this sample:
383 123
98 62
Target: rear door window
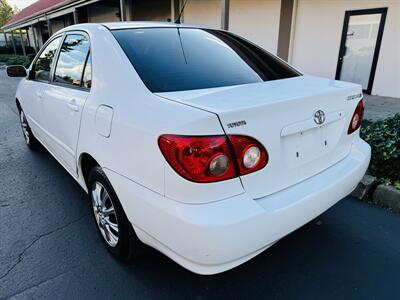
71 61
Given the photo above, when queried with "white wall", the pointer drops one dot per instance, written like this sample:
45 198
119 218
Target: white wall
317 36
203 12
257 21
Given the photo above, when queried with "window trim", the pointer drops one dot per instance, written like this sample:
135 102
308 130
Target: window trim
52 75
84 69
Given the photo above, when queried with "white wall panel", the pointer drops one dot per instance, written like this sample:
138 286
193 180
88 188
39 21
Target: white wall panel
317 40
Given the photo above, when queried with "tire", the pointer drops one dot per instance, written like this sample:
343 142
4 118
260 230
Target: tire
114 228
30 139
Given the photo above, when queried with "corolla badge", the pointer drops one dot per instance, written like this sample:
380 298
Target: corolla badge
319 117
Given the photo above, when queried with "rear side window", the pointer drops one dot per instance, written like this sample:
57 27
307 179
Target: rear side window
43 64
177 59
71 61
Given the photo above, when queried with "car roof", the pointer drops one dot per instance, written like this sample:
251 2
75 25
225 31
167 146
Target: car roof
145 24
127 25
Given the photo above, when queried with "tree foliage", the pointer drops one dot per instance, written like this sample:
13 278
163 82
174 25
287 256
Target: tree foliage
6 12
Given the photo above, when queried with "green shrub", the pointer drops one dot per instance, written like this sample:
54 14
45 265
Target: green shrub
384 138
31 56
3 57
11 59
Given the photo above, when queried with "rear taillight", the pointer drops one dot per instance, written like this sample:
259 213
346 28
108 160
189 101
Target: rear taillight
356 120
198 158
250 154
212 158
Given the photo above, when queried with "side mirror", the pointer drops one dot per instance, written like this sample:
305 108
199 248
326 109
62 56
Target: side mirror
16 71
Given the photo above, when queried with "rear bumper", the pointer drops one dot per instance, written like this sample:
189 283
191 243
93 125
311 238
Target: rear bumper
214 237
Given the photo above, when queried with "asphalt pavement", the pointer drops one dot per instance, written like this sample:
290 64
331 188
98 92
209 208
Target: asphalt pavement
50 249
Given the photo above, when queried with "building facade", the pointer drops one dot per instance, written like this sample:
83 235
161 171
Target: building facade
352 40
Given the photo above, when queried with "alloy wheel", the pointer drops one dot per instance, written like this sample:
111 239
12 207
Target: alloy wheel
105 214
25 127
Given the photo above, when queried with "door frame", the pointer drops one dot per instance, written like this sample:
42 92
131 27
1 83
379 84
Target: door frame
348 14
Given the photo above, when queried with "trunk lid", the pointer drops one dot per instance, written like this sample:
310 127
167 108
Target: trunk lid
280 114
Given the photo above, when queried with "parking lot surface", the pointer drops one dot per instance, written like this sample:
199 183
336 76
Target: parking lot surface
50 249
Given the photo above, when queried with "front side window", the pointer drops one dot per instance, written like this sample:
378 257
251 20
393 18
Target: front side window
177 59
71 61
43 64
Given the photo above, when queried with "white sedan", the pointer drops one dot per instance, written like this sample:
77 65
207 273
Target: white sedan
191 140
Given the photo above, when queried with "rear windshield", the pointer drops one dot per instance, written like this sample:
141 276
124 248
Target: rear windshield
178 59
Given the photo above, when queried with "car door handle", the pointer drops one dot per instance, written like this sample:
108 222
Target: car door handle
39 95
72 105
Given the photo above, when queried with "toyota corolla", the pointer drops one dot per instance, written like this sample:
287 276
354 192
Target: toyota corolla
192 140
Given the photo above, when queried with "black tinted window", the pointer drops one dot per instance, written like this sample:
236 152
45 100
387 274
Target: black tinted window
87 75
171 59
72 59
43 64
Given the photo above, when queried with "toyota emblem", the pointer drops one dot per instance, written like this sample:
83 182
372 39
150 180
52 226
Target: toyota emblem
319 117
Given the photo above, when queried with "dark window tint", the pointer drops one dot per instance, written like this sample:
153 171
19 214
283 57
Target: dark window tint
172 59
72 59
43 64
87 74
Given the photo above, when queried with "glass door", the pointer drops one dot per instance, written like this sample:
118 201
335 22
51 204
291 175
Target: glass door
359 49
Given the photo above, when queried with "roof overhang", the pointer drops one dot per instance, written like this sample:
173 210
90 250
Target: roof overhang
63 8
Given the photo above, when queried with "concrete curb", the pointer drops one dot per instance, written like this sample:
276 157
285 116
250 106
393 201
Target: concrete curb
387 196
365 188
383 195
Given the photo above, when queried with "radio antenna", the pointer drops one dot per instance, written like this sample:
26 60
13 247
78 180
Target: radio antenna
178 19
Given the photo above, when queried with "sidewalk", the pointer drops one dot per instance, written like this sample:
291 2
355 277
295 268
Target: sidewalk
378 107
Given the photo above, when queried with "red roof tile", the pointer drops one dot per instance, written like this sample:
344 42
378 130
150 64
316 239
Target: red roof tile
36 8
